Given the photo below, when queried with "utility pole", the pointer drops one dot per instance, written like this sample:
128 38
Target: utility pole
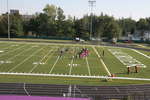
91 4
8 20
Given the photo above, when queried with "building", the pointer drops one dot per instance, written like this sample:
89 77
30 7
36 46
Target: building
14 11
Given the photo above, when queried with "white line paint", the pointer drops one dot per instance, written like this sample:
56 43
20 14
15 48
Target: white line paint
6 47
12 50
49 57
108 72
71 66
88 66
141 53
40 61
126 59
87 63
24 60
24 87
19 54
74 76
54 64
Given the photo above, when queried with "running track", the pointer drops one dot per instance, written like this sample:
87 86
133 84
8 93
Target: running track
140 92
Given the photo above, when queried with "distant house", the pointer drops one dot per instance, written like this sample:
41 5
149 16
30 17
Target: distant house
27 17
14 11
146 36
137 36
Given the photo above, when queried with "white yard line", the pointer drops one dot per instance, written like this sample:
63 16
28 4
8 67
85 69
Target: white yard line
24 87
19 53
49 57
108 72
6 47
88 66
74 76
141 53
71 66
87 63
40 61
12 50
54 64
24 60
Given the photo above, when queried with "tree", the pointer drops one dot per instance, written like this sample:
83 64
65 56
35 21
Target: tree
128 25
51 12
16 27
143 26
3 25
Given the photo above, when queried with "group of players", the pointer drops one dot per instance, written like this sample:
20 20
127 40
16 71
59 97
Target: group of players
84 52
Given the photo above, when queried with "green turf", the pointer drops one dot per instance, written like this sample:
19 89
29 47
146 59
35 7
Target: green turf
63 80
145 52
26 57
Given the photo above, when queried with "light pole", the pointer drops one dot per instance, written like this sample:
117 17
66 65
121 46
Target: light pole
8 20
91 4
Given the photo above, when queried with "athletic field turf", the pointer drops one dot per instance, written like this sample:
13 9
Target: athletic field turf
46 59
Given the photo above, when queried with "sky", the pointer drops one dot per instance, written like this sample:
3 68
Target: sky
117 8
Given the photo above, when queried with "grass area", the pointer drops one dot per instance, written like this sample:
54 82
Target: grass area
45 59
58 80
145 52
40 40
119 69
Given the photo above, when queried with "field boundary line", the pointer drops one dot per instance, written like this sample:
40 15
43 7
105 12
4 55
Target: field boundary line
141 53
74 76
54 64
108 72
25 60
40 61
87 63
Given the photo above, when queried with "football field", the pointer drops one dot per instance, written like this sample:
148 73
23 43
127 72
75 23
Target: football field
47 59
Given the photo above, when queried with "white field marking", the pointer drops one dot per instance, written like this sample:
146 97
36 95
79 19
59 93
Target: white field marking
74 65
24 60
6 47
108 72
12 50
87 63
18 54
54 64
24 87
141 53
73 76
1 51
5 62
141 45
88 66
40 61
71 65
49 57
8 60
126 59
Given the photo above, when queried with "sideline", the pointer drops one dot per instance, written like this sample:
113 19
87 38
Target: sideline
108 72
141 53
74 76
